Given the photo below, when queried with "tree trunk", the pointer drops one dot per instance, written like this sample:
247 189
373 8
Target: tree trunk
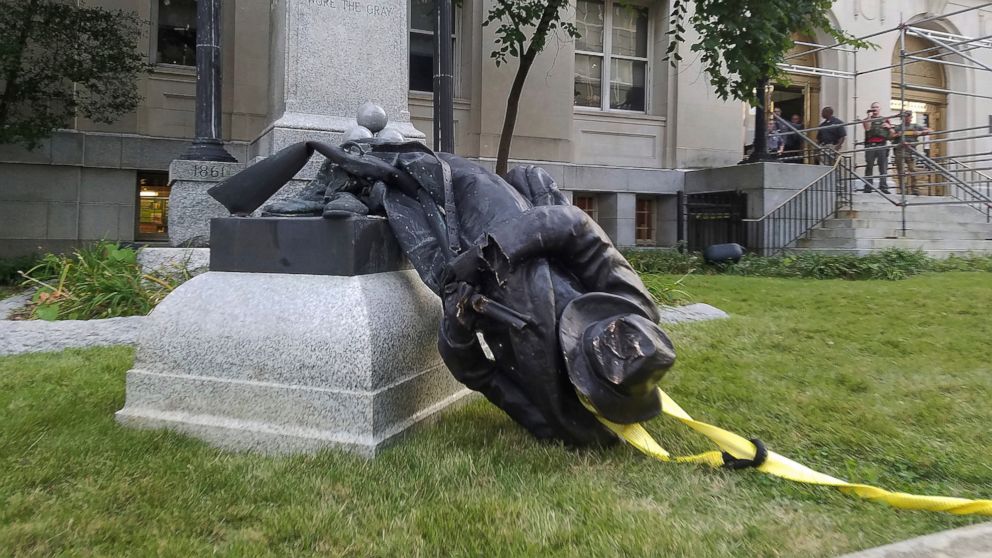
510 118
13 72
513 99
759 151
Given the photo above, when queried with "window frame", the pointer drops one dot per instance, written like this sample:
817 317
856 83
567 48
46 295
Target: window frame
153 46
456 55
652 221
593 211
607 57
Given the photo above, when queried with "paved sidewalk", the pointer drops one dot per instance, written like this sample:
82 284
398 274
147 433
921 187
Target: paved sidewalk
967 542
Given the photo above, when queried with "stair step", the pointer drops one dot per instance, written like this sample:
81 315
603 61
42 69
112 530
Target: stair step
894 232
918 224
932 213
983 246
939 254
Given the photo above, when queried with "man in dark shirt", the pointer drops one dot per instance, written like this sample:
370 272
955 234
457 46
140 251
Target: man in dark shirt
831 137
793 141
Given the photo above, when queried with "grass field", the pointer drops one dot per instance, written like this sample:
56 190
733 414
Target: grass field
880 382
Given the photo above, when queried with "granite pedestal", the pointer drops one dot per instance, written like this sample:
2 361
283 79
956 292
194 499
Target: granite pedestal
279 362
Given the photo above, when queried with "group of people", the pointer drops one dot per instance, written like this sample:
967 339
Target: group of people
785 144
903 137
784 141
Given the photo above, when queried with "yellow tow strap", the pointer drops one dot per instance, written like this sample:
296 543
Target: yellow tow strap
781 466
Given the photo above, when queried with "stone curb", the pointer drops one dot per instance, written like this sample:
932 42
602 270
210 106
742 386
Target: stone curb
967 542
691 313
38 336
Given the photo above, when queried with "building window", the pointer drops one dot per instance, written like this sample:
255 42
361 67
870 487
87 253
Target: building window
587 203
644 221
176 33
422 45
611 56
153 206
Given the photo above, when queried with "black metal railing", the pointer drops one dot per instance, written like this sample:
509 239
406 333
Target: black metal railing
963 183
792 220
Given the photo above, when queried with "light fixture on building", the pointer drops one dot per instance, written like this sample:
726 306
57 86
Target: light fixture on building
148 193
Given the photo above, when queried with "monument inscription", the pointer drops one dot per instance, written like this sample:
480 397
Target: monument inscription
354 6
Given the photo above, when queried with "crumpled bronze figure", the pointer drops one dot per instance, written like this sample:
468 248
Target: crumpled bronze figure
542 314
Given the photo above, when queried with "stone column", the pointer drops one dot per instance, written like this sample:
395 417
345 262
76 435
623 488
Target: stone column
616 217
328 57
207 145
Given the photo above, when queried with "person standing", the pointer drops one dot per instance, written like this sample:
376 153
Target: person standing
794 141
831 137
776 141
905 136
877 133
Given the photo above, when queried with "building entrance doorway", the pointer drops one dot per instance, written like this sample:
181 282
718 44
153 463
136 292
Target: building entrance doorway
800 94
929 108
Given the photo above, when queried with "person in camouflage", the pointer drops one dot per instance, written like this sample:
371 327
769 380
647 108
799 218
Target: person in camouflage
905 136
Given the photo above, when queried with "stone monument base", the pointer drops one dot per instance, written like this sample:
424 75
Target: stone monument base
280 363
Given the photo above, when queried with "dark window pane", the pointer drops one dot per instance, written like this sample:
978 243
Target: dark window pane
627 84
176 32
630 31
421 62
589 22
588 80
422 15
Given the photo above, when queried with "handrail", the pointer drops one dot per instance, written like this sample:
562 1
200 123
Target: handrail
820 150
960 189
790 220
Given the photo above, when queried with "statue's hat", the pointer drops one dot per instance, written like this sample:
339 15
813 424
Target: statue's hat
615 356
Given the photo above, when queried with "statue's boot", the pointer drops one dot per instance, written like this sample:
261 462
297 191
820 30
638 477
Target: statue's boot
293 207
344 204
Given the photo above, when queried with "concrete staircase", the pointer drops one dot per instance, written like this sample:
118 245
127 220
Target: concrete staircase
874 224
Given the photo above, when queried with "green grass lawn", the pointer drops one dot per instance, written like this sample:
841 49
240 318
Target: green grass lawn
879 382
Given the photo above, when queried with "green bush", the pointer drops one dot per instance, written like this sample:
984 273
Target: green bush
102 280
665 291
660 260
887 264
892 264
11 268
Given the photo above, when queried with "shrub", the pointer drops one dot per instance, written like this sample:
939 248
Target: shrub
665 291
887 264
103 280
892 264
11 268
667 261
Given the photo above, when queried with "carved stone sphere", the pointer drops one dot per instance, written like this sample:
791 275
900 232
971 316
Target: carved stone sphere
390 135
356 133
372 116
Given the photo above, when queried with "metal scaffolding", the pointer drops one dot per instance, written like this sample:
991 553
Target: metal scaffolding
964 177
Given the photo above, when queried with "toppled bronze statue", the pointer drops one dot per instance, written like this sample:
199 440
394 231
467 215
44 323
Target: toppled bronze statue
542 314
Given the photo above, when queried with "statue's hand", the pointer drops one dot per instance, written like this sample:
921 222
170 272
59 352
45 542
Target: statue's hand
459 315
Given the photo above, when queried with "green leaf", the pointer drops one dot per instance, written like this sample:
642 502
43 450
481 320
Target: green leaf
47 312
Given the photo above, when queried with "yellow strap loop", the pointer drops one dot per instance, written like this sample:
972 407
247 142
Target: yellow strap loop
780 466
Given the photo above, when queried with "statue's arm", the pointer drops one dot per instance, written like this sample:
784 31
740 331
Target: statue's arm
469 365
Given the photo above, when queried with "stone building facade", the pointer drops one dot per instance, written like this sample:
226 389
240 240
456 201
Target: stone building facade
610 118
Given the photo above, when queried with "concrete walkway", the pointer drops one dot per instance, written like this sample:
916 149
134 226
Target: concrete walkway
967 542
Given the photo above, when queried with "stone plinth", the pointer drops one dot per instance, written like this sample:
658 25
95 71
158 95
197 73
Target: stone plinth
190 207
319 78
307 245
281 363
